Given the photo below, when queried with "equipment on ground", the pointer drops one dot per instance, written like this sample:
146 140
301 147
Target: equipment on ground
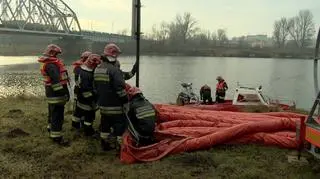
187 96
308 132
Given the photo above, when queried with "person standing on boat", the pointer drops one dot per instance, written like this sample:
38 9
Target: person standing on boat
205 94
56 82
112 98
221 89
77 122
86 104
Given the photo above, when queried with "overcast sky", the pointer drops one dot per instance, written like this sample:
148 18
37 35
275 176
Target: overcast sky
239 17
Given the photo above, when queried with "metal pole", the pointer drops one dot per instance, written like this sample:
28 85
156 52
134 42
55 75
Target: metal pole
315 66
138 33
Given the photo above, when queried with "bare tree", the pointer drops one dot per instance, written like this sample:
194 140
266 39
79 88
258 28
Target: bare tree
214 39
202 38
160 33
281 32
301 28
183 28
222 36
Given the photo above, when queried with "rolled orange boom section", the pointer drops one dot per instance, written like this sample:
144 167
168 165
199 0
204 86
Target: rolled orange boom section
182 129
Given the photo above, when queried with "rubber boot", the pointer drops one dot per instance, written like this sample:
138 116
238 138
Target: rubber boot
61 141
49 128
76 125
109 143
118 145
88 131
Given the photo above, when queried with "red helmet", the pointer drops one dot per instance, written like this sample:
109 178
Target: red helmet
85 55
93 61
111 50
133 91
52 50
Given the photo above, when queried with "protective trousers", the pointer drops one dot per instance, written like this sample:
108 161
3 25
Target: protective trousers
220 96
55 120
207 96
86 111
113 125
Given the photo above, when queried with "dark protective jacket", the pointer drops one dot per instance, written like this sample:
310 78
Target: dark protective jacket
110 88
205 92
56 80
86 95
142 115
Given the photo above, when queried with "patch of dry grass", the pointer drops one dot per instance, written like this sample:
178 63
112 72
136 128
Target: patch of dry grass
34 156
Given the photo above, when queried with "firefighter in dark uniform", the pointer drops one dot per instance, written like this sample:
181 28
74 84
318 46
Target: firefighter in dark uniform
78 122
142 115
86 104
205 94
112 98
56 88
221 89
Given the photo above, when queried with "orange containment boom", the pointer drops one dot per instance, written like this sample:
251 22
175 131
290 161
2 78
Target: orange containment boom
182 129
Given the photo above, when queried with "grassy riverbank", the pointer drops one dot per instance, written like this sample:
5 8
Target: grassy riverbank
26 152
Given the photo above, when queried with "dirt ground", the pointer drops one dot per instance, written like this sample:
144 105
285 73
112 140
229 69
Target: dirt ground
26 152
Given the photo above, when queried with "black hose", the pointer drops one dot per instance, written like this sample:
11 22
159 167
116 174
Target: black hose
315 65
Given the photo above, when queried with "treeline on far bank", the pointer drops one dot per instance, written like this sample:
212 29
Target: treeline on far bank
154 49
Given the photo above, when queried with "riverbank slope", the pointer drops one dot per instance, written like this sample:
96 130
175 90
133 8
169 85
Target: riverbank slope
26 151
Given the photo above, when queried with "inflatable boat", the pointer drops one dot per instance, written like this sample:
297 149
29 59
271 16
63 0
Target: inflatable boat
246 99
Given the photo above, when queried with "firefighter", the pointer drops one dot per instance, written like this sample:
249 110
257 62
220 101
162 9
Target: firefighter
142 115
112 98
56 88
77 122
221 89
205 94
127 75
86 102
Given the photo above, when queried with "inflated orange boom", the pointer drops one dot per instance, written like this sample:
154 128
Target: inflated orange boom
181 129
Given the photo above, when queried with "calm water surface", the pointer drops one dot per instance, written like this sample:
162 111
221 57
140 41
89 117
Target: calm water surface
161 76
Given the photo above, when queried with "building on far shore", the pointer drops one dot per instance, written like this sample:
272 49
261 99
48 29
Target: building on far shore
253 41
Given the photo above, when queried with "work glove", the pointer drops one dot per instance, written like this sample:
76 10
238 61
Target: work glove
126 107
134 68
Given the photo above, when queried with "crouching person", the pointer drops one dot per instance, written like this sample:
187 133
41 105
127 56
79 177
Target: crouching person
142 115
86 104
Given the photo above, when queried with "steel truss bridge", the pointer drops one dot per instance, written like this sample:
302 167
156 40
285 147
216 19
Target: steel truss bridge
49 18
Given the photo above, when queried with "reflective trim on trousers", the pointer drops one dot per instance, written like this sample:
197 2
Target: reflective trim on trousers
87 94
119 140
57 100
76 119
104 135
87 123
111 110
84 106
55 134
57 87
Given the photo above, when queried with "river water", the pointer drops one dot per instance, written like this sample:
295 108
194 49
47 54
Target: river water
160 77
